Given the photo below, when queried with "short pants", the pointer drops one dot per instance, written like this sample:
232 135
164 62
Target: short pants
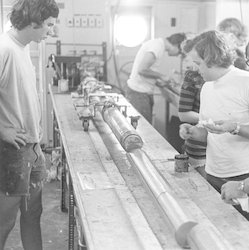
20 168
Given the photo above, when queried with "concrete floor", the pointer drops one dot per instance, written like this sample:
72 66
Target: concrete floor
54 223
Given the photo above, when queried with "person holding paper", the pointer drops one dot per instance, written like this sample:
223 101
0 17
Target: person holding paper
224 109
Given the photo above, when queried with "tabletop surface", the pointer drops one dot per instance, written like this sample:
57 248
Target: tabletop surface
114 206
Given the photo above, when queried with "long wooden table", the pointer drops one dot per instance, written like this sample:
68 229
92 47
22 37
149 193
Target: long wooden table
114 209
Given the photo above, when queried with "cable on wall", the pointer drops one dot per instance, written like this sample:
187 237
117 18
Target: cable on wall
74 48
1 16
241 13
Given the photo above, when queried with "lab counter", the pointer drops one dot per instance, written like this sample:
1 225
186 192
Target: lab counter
167 120
112 205
172 94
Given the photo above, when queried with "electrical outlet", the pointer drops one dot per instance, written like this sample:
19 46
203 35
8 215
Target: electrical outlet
91 20
70 22
84 21
99 21
77 21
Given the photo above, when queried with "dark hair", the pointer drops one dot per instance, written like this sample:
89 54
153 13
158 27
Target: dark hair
25 12
176 39
213 47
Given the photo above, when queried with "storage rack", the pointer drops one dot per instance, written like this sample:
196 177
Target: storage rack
86 55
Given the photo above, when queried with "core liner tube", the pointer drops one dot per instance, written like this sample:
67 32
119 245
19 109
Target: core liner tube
173 210
188 233
206 238
125 133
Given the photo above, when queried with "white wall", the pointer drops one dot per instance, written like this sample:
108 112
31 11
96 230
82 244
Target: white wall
233 8
73 34
207 16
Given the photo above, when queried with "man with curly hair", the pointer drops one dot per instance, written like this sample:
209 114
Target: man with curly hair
239 34
224 109
22 164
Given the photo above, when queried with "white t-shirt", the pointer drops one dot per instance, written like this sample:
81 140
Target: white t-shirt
137 82
19 102
227 99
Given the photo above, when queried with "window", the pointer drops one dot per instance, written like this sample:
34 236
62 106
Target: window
130 31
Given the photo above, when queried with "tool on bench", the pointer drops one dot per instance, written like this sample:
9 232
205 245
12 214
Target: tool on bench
92 94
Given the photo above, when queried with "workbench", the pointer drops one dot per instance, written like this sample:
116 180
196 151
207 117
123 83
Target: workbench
110 203
171 94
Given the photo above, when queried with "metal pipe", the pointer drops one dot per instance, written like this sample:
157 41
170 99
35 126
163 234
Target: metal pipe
125 133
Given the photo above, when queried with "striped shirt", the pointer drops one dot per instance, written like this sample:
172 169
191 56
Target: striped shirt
190 101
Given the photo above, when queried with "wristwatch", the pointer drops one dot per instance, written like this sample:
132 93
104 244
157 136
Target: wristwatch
236 130
241 186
